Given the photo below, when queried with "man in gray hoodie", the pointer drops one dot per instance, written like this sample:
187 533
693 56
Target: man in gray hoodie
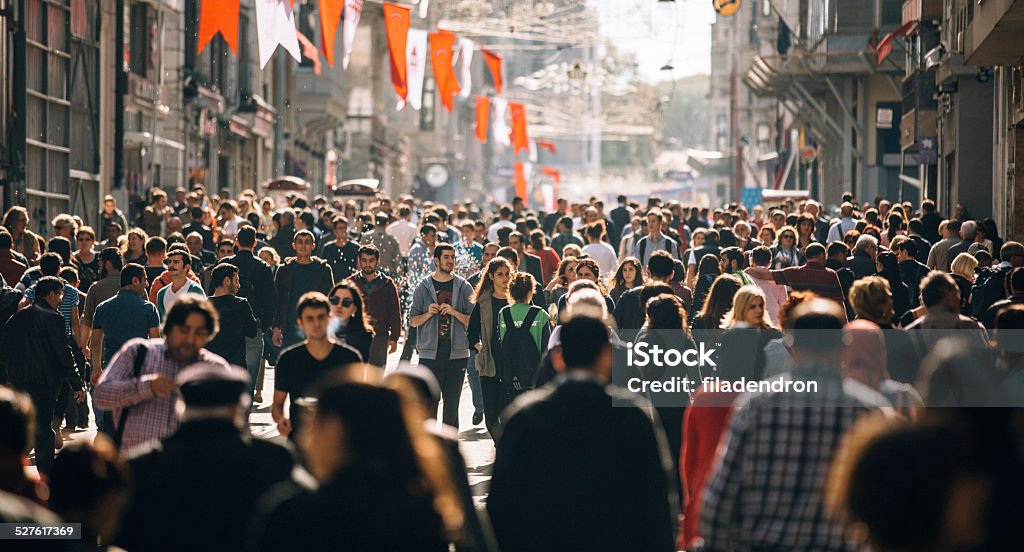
441 306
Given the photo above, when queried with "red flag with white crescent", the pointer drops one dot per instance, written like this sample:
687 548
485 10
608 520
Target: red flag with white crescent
442 44
396 18
219 17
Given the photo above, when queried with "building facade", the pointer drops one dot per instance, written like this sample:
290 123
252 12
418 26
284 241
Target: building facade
834 89
743 125
54 65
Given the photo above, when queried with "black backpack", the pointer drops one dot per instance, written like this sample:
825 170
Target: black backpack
519 355
989 287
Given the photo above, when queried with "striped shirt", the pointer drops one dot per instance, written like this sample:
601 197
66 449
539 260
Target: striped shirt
150 418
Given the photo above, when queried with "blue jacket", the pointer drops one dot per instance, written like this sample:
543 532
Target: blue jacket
426 335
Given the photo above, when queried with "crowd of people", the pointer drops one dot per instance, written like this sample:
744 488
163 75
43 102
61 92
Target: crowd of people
159 329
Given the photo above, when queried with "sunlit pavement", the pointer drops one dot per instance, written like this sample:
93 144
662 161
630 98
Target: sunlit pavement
476 444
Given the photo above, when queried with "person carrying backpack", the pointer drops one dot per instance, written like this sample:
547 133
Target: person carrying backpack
523 332
990 285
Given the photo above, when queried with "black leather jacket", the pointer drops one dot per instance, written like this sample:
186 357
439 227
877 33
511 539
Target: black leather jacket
35 352
262 294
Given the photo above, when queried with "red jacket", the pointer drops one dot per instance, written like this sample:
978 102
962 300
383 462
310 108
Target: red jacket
10 268
381 304
705 422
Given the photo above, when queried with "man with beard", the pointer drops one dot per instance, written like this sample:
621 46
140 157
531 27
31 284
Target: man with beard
380 301
138 385
441 307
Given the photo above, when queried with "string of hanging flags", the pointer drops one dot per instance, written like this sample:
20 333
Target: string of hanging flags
408 49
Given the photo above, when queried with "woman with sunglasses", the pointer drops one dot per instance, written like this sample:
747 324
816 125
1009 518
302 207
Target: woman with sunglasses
85 259
349 323
785 252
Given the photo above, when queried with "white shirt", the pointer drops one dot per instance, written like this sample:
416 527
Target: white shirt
404 233
840 228
170 296
604 255
230 228
492 230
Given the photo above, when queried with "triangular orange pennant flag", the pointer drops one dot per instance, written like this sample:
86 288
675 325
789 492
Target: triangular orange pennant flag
483 114
219 16
396 19
441 45
330 16
520 139
548 145
520 180
552 173
493 61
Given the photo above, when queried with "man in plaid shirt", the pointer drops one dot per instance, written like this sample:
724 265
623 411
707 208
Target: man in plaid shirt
150 398
767 488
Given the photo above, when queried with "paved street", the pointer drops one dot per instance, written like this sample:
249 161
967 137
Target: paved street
477 447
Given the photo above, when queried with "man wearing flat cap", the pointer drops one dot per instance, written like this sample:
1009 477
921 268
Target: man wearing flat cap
196 489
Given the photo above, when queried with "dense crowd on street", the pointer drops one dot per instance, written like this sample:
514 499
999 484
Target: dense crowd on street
159 329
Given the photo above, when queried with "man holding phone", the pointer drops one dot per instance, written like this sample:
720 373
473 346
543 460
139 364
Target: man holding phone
441 307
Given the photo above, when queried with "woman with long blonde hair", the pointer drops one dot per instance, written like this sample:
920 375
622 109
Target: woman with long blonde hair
748 310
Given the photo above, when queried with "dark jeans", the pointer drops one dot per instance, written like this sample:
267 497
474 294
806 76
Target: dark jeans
495 400
379 351
410 343
45 401
449 373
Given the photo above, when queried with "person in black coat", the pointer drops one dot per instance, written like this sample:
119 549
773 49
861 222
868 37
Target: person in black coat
197 226
912 271
238 322
862 262
35 358
618 497
198 488
384 482
527 262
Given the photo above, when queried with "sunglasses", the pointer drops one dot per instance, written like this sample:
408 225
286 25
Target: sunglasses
346 302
